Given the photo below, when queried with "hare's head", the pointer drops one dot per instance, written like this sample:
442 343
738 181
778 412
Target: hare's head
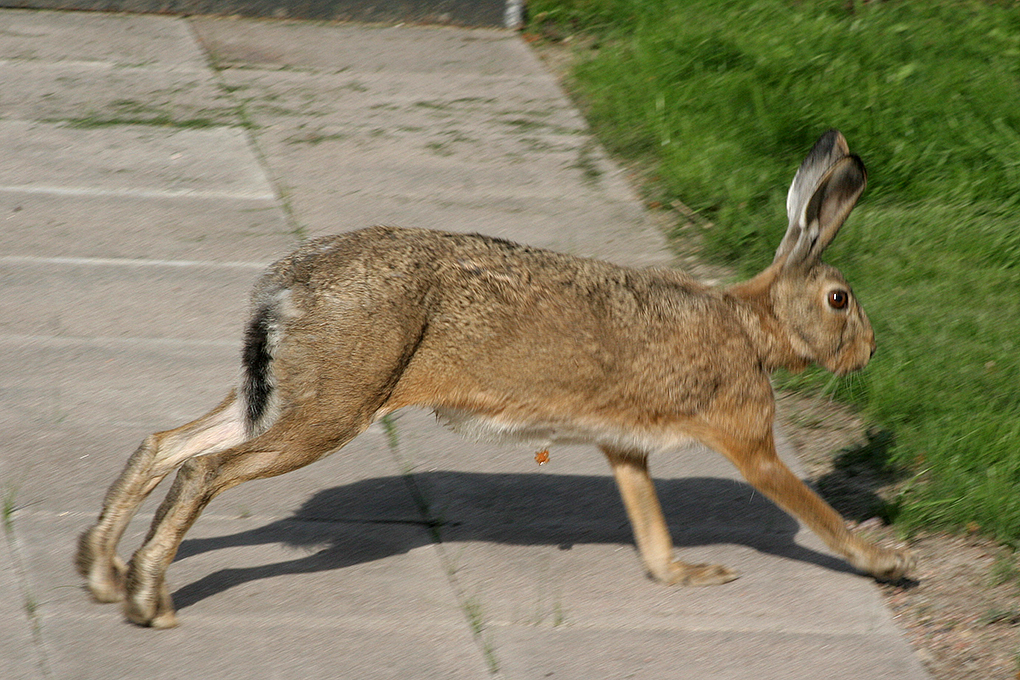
811 301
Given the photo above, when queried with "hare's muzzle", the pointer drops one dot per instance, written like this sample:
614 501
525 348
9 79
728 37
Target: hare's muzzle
857 357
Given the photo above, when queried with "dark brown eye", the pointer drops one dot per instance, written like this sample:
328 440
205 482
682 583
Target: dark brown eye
839 299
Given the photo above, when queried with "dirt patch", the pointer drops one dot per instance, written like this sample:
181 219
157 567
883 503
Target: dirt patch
962 619
961 613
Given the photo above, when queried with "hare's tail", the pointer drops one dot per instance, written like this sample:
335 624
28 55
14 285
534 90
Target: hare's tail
258 386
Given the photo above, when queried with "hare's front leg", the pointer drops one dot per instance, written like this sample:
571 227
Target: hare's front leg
760 465
650 531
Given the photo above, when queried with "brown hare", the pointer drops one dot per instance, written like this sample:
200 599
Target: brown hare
517 343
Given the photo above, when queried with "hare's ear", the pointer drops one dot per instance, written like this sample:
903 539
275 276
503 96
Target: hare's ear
824 191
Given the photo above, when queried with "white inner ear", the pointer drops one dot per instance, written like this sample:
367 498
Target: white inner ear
807 229
809 232
791 201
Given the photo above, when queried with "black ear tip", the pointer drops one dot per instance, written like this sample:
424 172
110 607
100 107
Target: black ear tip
829 141
831 134
860 165
855 170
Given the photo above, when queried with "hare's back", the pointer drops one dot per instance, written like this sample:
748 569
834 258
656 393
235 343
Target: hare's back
488 285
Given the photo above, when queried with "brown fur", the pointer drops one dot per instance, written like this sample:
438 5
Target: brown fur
510 342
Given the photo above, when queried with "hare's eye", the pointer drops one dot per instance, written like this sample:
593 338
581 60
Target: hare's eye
838 299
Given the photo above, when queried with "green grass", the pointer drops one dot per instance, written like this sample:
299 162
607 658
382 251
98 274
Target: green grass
130 112
721 99
8 508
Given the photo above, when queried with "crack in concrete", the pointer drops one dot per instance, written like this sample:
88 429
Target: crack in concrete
281 195
29 603
469 605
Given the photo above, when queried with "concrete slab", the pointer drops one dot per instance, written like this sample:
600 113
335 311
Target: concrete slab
83 299
378 590
508 13
239 650
40 226
336 48
426 148
614 231
374 581
585 653
129 40
588 580
129 160
369 573
421 174
521 117
103 93
148 384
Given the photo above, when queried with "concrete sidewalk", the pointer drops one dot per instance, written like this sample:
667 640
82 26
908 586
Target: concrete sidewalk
149 167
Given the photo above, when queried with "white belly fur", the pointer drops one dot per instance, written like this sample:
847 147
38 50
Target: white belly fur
489 429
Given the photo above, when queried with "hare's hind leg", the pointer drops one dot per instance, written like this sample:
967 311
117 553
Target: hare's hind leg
760 465
158 455
650 530
295 440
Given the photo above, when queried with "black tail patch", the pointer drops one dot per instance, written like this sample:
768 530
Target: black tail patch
257 360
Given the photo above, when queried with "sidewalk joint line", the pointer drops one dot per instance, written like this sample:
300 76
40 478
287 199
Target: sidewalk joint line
247 127
96 192
23 585
15 339
100 65
469 606
127 262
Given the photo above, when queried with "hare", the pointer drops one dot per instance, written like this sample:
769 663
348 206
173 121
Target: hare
516 343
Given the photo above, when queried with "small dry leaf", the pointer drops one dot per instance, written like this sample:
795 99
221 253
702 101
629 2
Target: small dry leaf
542 457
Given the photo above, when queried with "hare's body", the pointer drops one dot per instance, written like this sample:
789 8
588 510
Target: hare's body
509 342
460 316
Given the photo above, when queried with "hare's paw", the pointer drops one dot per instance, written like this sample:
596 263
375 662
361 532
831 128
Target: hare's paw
108 585
155 611
104 575
148 602
681 573
892 565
